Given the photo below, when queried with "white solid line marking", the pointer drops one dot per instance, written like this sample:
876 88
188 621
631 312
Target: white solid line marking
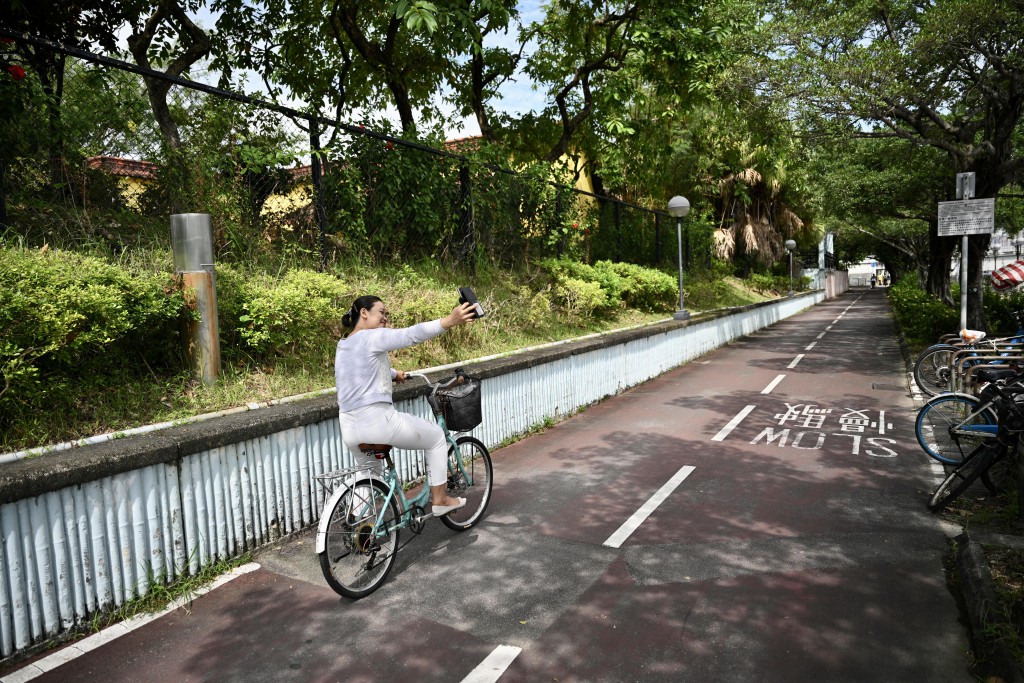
494 665
775 383
810 346
796 360
733 423
80 647
631 524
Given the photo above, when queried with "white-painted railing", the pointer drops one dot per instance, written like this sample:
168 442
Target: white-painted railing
71 552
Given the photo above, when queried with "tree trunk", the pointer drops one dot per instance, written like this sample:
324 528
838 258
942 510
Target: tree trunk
196 45
941 250
976 250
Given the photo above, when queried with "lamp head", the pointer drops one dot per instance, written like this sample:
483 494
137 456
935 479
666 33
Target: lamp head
790 245
678 206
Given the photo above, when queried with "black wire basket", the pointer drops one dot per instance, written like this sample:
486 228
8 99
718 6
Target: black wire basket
460 405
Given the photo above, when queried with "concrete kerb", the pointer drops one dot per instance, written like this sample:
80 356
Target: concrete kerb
983 606
974 581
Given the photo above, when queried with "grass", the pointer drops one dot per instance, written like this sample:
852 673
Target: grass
161 594
523 312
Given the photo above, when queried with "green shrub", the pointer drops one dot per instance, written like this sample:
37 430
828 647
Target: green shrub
998 310
580 298
581 289
923 317
293 316
65 315
645 288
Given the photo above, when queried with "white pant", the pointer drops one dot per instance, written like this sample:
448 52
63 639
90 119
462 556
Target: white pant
381 423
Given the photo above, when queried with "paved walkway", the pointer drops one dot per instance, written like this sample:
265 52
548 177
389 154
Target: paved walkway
790 542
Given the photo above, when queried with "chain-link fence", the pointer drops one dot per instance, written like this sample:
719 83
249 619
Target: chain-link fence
83 157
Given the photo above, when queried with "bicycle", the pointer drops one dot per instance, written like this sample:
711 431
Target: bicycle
934 367
366 507
951 426
992 461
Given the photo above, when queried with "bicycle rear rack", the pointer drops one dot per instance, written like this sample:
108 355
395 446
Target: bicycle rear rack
345 476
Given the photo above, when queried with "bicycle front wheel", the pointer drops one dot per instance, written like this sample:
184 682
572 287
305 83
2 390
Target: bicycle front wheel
470 476
961 478
950 426
932 369
356 558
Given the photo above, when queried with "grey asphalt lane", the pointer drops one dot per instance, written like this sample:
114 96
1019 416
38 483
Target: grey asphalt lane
797 548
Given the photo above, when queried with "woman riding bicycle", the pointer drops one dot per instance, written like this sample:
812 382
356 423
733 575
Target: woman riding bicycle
363 376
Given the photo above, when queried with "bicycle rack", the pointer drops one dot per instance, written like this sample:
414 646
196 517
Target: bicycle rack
997 356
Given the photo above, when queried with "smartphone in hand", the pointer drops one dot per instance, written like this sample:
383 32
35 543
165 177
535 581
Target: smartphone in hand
466 295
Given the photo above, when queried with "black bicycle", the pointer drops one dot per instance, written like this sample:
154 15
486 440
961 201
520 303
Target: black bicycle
993 460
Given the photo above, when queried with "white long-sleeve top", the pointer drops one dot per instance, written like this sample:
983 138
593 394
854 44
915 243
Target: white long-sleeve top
362 368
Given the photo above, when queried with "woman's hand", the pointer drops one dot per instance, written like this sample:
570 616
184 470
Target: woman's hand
460 315
400 376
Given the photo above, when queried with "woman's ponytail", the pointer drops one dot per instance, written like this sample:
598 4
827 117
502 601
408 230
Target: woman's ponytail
348 319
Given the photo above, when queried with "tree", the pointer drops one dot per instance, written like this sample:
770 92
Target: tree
169 36
474 81
883 193
73 23
947 74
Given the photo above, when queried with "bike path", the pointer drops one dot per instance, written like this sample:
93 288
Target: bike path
797 548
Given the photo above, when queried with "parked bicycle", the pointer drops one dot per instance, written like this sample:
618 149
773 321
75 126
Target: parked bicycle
366 506
934 368
992 459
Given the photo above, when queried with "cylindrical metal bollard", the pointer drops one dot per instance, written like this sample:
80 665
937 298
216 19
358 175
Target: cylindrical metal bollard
192 242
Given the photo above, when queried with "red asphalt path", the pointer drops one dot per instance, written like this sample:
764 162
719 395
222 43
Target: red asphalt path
797 549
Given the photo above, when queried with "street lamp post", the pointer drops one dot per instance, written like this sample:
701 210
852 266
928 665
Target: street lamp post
790 246
678 207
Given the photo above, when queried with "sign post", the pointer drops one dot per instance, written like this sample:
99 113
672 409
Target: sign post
966 217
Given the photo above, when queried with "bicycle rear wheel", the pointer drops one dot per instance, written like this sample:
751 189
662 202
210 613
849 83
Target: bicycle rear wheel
943 427
961 478
472 481
356 560
932 369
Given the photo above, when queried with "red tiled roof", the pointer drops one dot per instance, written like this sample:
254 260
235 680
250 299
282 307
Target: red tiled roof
129 168
469 142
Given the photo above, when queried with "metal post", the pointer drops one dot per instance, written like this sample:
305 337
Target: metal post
682 313
964 190
791 272
192 243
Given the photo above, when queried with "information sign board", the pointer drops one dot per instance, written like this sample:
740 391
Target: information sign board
967 217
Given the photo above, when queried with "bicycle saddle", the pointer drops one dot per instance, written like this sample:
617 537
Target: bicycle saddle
995 374
972 336
377 450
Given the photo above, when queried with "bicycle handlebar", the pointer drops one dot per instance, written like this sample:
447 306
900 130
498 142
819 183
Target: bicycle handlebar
459 378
